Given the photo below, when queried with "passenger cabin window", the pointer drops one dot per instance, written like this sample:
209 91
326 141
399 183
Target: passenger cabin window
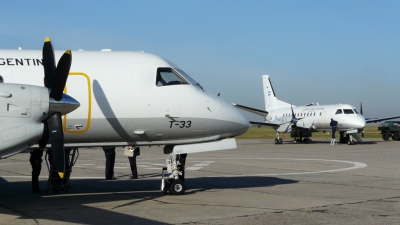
355 110
348 111
339 111
1 79
167 76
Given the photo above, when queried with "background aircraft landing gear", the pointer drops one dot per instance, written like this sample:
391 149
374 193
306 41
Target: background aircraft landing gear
175 183
278 141
350 140
343 137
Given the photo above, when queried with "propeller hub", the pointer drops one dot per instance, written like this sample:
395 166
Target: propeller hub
66 105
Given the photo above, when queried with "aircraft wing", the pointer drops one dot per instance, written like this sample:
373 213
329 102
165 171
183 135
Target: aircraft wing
252 110
375 120
264 123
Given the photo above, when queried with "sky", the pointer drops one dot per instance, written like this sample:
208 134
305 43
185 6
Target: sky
330 52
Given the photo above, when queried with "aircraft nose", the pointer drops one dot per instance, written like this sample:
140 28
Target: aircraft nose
232 122
361 123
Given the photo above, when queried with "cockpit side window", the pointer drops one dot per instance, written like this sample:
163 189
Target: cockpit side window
355 110
339 111
1 79
348 111
167 76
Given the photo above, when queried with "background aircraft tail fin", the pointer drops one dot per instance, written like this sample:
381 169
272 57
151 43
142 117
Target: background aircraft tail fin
271 102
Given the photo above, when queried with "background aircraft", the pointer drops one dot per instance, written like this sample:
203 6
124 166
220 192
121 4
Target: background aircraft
302 120
125 98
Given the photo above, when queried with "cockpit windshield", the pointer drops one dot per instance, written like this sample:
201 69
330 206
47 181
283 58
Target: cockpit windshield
339 111
355 110
191 80
167 76
348 111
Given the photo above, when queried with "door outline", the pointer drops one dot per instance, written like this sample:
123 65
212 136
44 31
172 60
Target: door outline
89 105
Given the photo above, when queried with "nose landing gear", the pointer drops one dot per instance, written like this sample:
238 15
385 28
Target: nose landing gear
174 184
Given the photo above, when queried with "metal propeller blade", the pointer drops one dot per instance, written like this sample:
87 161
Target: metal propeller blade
49 63
61 75
57 142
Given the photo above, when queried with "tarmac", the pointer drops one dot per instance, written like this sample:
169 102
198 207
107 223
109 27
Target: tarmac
257 183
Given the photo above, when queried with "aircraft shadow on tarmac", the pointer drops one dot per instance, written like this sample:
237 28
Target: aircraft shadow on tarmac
72 207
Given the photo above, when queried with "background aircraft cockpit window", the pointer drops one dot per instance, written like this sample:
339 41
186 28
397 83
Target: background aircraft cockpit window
167 76
1 79
355 110
339 111
348 111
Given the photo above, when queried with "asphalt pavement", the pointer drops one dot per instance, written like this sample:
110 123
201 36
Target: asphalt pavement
257 183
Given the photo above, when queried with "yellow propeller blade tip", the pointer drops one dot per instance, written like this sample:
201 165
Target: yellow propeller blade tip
61 174
68 52
47 39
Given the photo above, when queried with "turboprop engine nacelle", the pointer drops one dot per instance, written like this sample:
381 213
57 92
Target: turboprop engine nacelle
22 110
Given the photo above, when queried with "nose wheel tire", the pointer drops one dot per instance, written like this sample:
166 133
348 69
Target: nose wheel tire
177 187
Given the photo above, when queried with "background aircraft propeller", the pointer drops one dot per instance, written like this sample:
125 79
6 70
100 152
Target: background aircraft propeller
55 79
361 111
294 120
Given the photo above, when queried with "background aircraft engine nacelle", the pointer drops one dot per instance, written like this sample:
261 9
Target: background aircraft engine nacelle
22 109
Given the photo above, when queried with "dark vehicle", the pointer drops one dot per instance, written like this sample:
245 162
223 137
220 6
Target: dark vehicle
390 129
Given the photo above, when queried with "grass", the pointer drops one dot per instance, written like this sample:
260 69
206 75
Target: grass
269 133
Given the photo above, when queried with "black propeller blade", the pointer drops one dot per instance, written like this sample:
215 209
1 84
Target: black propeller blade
294 119
61 75
49 63
55 79
361 111
57 142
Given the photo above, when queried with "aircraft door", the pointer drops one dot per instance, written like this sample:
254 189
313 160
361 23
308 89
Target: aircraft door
79 87
323 121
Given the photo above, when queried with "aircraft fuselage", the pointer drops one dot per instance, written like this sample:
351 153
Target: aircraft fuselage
123 101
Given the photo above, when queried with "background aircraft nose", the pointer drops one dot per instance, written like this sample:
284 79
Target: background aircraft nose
361 123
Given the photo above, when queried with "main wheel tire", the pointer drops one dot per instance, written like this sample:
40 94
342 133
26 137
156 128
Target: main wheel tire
280 141
178 187
276 141
397 136
385 136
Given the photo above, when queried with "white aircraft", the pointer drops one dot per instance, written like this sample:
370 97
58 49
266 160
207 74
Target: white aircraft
301 121
112 99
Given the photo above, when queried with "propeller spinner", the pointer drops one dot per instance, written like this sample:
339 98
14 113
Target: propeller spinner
55 79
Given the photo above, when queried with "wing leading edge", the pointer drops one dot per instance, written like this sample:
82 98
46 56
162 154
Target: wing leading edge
251 110
375 120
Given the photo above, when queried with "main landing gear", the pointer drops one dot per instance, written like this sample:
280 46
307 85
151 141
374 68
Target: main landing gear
278 139
174 184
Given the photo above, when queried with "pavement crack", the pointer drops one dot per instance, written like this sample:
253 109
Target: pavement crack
19 212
